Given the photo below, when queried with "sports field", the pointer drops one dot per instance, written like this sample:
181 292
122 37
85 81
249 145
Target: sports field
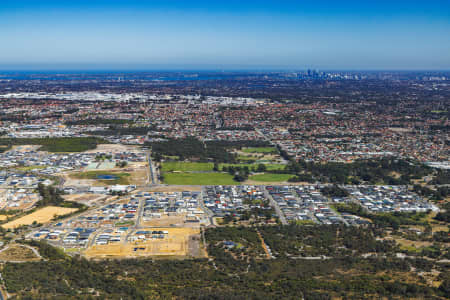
199 179
252 166
270 177
259 150
170 166
42 216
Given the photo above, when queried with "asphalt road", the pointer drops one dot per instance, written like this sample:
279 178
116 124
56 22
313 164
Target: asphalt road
277 208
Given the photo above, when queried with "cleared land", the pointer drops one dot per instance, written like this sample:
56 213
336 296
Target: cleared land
113 148
17 252
199 179
167 221
89 199
42 215
175 244
268 177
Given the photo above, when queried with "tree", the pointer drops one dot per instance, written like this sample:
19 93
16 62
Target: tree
261 168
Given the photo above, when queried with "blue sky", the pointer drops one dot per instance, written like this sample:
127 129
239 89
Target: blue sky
171 34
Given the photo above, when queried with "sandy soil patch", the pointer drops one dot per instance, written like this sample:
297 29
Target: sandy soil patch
176 244
87 199
42 215
113 148
139 177
165 221
25 148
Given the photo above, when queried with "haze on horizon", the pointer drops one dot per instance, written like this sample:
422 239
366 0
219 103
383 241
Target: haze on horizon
174 34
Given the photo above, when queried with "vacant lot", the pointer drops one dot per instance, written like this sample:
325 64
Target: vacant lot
113 148
42 215
17 252
170 166
174 245
165 221
89 199
199 179
270 177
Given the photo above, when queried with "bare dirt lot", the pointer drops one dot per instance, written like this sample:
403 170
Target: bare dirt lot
25 148
113 148
88 199
175 244
166 221
42 215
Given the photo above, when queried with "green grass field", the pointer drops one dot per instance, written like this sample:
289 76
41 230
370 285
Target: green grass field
122 178
270 177
259 150
171 166
251 166
246 158
199 179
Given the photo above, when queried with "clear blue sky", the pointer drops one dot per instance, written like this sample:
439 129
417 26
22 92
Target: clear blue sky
229 34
